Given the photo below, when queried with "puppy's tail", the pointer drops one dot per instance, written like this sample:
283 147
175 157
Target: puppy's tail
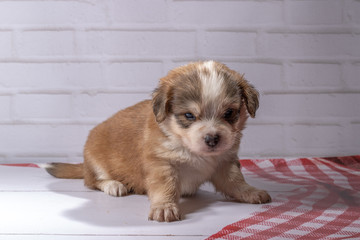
65 170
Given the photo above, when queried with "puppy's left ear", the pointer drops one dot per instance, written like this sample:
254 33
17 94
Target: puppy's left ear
161 102
249 94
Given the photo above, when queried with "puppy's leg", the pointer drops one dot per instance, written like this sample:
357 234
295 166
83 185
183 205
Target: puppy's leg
229 180
108 186
96 178
164 194
112 187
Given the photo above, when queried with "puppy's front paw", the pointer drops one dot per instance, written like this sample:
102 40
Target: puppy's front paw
254 195
112 187
168 212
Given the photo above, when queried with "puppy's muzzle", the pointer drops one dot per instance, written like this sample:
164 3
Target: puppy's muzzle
212 140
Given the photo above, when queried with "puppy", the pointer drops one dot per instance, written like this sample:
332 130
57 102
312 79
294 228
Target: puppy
189 133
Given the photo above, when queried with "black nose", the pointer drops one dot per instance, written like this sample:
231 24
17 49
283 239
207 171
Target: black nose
212 140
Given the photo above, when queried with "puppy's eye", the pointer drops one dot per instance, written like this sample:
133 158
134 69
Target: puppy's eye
229 113
190 116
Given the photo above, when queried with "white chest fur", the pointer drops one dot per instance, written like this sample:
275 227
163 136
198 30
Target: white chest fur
194 172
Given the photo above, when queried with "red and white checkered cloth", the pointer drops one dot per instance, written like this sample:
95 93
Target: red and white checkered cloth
325 203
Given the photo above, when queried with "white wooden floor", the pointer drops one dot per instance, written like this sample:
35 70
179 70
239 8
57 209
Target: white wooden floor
34 205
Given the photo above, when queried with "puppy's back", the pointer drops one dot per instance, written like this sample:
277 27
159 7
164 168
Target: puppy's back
114 149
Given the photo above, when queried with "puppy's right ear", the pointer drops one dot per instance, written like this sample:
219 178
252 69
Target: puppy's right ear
161 102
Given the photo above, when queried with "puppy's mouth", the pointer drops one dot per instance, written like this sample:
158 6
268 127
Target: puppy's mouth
210 145
210 151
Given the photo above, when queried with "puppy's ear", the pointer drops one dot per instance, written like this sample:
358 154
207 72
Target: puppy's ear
249 94
161 102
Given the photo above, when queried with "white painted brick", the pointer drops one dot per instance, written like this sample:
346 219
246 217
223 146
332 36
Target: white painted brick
76 158
352 10
262 139
5 102
5 43
50 12
313 75
302 44
51 75
46 43
102 106
229 44
355 137
137 11
45 157
311 152
42 138
108 46
352 75
137 43
263 76
302 138
134 74
42 106
226 12
309 105
315 12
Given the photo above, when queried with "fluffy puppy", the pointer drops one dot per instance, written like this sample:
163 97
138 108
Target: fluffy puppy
189 133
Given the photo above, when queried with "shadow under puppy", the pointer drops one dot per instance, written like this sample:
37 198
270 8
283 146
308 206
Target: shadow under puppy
189 133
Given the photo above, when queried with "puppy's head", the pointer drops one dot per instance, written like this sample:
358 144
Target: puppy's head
204 105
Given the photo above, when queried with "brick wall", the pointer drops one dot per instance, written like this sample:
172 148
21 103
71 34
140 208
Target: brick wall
66 65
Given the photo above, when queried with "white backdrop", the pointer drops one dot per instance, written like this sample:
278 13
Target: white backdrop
67 65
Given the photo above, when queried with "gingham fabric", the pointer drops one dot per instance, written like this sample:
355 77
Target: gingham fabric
324 202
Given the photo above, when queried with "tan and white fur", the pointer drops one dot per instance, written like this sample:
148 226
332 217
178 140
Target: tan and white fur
188 134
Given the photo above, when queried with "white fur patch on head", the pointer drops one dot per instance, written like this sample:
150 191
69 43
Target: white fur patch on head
212 82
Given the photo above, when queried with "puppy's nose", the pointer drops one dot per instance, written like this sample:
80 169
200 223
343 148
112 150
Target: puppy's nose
212 140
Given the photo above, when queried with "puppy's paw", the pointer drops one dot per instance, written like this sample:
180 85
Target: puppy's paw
113 188
168 212
254 196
